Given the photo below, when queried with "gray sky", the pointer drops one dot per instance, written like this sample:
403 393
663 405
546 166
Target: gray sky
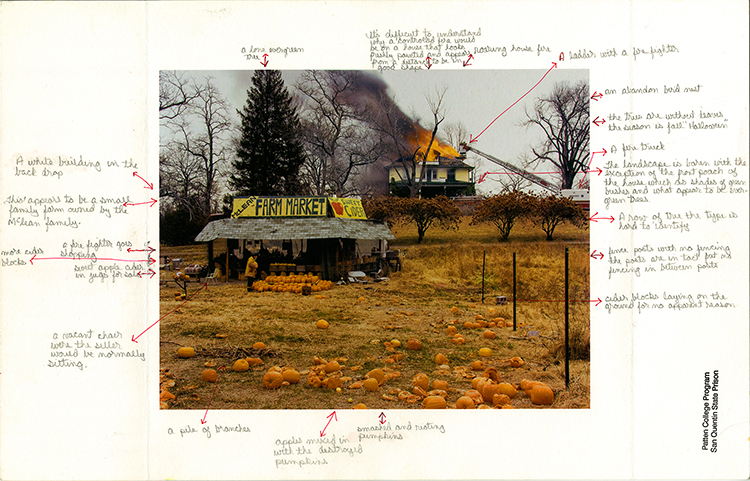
473 97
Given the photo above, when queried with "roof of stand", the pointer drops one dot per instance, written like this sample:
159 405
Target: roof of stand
294 228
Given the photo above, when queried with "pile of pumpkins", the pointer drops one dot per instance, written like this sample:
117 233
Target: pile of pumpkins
294 283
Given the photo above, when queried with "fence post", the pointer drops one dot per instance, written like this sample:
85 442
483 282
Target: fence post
567 325
484 259
514 291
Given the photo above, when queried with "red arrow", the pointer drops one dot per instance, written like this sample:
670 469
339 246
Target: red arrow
265 60
134 338
382 418
597 300
474 139
150 249
596 96
147 273
429 64
148 185
597 170
594 218
466 62
599 256
152 202
603 152
598 122
330 416
149 260
203 421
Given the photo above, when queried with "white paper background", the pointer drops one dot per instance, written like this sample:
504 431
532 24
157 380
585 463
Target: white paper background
82 79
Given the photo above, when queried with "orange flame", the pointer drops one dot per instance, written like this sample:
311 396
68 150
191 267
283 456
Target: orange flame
420 138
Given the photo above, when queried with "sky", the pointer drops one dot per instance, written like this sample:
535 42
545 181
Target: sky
473 97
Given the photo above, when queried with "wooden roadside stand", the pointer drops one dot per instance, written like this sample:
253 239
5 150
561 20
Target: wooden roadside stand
327 236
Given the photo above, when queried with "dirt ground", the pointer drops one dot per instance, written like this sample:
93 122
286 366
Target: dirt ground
366 323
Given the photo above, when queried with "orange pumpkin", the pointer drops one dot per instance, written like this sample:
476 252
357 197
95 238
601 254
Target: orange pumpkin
371 384
378 375
441 359
489 334
434 402
321 324
477 366
516 362
332 366
359 406
464 402
414 344
272 380
451 330
185 352
240 365
542 394
421 380
291 376
475 396
507 389
254 361
209 375
500 399
485 352
440 384
259 345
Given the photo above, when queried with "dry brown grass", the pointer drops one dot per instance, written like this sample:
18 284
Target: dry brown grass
443 272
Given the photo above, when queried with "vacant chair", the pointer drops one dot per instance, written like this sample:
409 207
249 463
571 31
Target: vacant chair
212 276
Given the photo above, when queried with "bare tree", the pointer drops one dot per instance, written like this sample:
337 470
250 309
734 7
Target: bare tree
337 139
408 141
175 94
200 140
456 134
180 177
563 116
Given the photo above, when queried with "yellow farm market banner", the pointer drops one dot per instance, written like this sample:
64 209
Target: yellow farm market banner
279 207
348 208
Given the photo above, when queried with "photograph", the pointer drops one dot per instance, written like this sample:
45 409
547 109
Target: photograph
334 239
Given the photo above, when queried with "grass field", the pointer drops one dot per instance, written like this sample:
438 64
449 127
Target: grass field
439 287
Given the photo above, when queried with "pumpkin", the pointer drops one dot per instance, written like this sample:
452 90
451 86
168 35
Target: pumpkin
488 390
418 391
528 385
454 309
291 376
459 340
507 389
209 375
485 352
421 380
479 317
356 385
434 402
477 366
542 394
259 346
464 402
376 374
185 352
254 361
491 373
332 366
489 334
359 406
321 324
240 365
516 362
468 324
451 330
333 383
482 323
414 344
272 380
475 396
314 381
440 384
508 406
441 359
508 323
475 382
500 399
395 343
371 384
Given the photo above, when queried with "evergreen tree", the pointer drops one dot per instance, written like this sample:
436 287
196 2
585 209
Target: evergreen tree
270 151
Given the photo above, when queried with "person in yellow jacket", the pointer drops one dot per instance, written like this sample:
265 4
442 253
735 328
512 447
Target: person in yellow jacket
250 270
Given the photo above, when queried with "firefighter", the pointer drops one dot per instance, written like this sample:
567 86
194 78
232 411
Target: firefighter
250 270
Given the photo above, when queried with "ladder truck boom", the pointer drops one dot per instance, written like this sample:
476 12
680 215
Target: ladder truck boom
526 175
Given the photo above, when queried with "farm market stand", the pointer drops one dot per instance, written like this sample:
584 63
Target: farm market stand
326 236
